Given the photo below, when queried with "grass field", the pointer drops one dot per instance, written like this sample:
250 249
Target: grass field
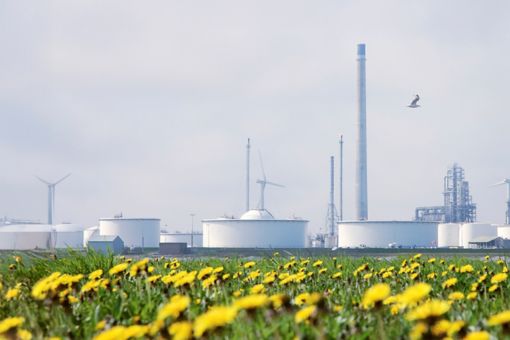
83 296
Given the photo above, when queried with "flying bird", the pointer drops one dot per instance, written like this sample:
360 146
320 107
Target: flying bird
413 103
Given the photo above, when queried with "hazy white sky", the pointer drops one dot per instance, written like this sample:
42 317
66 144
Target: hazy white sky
149 104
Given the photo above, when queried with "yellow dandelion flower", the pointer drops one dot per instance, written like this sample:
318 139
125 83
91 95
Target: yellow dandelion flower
23 334
418 330
336 275
481 335
250 264
467 269
118 268
100 325
493 288
204 272
472 295
432 260
135 331
502 318
12 294
317 263
367 276
415 293
305 314
96 274
456 296
238 293
375 295
181 330
114 333
431 276
177 304
212 319
450 282
252 301
209 281
269 279
482 278
498 278
257 289
278 300
10 323
430 309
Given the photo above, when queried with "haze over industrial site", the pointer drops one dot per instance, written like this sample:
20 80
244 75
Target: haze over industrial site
150 108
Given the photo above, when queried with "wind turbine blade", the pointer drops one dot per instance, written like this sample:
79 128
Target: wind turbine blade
60 180
42 180
498 184
276 184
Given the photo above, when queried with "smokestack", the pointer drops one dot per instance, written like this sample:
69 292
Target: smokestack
361 154
341 180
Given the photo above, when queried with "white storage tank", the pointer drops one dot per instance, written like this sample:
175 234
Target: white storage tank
448 235
25 236
472 231
504 231
386 234
135 232
255 229
68 235
181 238
88 233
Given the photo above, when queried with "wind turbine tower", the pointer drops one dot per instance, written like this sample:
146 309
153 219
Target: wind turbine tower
507 182
248 175
51 196
263 182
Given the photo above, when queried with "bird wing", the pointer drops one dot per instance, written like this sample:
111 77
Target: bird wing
415 100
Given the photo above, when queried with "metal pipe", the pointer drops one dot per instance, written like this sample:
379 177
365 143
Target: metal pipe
361 163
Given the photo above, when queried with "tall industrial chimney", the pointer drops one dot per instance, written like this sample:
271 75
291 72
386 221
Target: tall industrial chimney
361 154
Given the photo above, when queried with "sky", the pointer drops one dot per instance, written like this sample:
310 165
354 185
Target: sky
149 105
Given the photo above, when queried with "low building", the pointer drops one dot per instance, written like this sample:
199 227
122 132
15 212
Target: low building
488 242
106 243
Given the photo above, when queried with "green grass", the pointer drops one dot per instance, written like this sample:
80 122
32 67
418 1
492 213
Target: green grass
134 300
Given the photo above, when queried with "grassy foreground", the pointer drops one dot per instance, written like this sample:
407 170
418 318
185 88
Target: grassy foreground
83 296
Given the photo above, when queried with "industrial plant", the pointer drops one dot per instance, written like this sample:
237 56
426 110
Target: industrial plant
452 224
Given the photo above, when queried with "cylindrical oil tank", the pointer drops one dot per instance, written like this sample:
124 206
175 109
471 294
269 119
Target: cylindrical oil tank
67 235
448 235
88 233
470 232
255 229
181 238
386 234
134 232
504 231
25 236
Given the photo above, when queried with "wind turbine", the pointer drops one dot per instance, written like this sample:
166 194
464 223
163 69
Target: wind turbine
263 182
507 182
51 196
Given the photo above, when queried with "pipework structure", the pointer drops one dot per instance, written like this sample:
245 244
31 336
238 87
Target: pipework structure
361 154
458 206
506 182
